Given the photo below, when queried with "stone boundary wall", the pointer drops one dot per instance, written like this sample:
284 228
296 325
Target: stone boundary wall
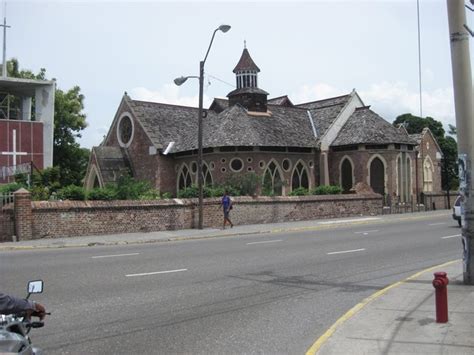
438 200
53 219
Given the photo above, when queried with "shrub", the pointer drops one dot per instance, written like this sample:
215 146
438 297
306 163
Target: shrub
189 192
9 188
300 191
129 189
40 193
326 190
151 194
166 195
243 185
72 192
213 191
102 193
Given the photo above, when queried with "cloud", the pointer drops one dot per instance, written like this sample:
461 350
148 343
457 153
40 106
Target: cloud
168 94
390 99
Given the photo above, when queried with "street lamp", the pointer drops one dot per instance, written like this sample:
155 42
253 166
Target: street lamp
180 81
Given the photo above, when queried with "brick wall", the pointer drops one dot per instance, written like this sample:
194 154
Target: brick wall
76 218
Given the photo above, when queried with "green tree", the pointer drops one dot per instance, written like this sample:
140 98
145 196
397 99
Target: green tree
415 124
69 121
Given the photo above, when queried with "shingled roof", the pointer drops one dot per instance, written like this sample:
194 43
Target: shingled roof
234 126
281 101
112 162
365 126
245 63
324 112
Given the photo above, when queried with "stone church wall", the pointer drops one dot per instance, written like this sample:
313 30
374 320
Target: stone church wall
79 218
360 160
428 148
252 161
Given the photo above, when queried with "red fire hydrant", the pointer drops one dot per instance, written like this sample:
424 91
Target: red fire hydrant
440 283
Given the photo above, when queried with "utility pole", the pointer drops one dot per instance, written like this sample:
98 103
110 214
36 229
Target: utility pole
462 85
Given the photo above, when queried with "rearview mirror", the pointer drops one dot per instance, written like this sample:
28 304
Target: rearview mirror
35 286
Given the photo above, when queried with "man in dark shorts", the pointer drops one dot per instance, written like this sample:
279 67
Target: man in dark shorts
227 206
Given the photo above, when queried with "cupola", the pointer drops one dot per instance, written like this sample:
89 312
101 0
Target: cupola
247 93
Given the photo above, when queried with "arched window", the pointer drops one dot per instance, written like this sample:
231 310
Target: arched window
206 175
428 174
346 175
184 178
272 180
96 182
404 178
299 177
377 175
93 180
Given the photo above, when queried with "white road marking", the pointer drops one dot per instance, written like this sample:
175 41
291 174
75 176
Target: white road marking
156 272
451 236
112 256
437 224
345 251
351 220
367 232
266 241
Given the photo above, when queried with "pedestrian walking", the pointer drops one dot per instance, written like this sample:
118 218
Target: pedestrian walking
226 203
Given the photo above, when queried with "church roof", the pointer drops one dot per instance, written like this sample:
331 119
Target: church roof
245 63
332 101
234 126
247 90
112 162
324 112
416 137
365 126
280 101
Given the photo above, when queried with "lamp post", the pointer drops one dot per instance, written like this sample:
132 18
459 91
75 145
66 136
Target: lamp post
180 81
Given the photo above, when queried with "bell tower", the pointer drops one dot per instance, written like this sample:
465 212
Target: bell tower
247 93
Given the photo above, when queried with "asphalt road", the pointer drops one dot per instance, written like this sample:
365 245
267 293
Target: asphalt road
272 293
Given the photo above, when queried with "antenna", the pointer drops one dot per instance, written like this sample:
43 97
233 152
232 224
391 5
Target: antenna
4 65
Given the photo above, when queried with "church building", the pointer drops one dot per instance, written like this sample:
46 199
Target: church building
335 141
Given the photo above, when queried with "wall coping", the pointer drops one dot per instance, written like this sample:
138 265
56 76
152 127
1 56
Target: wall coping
190 202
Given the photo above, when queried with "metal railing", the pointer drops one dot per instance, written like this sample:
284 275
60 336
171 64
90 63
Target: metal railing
6 198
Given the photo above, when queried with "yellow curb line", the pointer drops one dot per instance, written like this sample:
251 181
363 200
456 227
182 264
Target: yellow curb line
353 311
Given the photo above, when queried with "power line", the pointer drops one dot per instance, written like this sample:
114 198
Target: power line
222 81
419 56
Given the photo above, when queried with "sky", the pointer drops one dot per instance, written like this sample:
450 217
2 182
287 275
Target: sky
308 50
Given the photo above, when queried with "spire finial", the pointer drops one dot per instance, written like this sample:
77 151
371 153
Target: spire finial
245 44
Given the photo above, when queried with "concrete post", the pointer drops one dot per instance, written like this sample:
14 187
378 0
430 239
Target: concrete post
324 168
462 84
23 215
44 112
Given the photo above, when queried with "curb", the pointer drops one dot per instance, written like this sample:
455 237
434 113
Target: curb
354 310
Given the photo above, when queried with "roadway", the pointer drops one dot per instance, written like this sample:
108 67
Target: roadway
271 293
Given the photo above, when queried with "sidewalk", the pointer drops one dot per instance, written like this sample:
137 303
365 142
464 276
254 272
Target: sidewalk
401 319
164 236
